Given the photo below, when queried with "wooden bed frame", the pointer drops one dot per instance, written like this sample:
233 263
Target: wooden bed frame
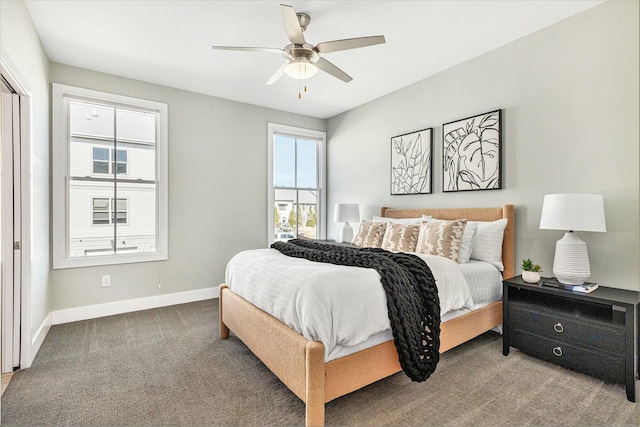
299 363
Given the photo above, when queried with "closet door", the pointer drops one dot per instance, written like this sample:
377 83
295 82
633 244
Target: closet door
10 253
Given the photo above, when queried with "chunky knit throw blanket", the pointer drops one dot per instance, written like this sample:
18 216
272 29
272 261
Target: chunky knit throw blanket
412 297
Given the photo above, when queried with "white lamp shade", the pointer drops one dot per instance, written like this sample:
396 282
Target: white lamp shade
345 212
575 212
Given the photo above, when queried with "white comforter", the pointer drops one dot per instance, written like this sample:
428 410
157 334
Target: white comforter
337 305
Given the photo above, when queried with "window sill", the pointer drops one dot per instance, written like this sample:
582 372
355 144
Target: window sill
97 260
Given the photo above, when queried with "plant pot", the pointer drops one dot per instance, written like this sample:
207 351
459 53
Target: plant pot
531 276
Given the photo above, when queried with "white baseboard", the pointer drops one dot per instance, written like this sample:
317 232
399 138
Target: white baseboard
109 309
27 355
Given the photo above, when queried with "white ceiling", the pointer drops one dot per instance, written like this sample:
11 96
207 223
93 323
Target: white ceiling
169 43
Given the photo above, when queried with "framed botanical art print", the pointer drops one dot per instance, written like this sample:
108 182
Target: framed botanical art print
411 162
471 153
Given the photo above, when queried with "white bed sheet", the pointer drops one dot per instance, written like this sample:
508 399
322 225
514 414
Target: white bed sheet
484 280
485 285
338 305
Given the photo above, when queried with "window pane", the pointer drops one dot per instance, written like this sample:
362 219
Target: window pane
296 214
100 167
91 120
135 216
100 153
100 204
307 164
121 155
121 168
307 214
284 158
139 126
285 215
121 217
101 217
122 205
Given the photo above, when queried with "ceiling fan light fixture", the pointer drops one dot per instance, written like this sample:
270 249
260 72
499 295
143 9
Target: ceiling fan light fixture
301 69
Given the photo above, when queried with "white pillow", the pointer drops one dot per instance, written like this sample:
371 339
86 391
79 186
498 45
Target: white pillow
404 221
468 238
488 243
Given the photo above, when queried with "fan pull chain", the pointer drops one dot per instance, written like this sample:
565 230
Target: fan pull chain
300 81
299 89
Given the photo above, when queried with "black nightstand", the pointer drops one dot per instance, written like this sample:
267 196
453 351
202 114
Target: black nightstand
595 333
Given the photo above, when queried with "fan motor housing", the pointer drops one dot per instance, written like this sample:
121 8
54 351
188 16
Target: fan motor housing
293 52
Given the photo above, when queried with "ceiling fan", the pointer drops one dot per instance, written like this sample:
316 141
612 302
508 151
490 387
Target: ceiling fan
302 60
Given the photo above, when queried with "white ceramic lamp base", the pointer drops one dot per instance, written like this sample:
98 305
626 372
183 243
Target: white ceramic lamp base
346 234
571 261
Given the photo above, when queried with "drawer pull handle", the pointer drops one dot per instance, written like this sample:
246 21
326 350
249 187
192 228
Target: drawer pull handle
558 327
557 351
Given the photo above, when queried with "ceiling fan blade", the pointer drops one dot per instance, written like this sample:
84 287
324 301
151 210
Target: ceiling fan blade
279 73
292 25
336 45
336 72
249 49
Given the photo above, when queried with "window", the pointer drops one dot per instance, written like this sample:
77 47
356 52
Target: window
109 178
104 162
296 183
104 213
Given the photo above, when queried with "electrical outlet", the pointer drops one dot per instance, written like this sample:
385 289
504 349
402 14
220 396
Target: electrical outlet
106 280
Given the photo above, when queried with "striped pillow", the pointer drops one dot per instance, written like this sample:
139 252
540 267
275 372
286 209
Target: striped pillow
400 237
488 243
442 238
370 234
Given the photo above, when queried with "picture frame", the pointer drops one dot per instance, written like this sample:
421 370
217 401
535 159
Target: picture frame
411 170
472 153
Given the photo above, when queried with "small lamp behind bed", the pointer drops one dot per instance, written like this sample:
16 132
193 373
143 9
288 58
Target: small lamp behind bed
345 212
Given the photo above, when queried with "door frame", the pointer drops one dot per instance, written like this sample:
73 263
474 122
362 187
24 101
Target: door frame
18 83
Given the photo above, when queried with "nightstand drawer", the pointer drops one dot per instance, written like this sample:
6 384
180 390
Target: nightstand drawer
566 329
595 363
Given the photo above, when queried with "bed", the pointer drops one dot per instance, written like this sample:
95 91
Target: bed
300 363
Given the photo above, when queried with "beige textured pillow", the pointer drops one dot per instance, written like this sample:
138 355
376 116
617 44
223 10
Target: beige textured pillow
441 238
370 234
400 237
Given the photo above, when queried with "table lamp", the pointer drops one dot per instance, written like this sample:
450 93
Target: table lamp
345 212
572 212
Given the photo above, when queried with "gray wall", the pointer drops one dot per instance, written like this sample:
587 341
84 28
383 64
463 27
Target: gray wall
569 95
22 52
217 192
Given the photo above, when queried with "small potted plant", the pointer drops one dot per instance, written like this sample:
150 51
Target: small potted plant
530 271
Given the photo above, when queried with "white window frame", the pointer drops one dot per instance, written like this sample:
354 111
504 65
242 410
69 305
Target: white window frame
61 172
320 136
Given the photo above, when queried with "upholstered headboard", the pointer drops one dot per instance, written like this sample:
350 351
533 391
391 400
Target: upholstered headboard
472 214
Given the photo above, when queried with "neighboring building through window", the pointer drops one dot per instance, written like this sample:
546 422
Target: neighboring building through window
296 183
110 189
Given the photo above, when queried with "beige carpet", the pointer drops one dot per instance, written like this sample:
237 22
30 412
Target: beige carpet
167 367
